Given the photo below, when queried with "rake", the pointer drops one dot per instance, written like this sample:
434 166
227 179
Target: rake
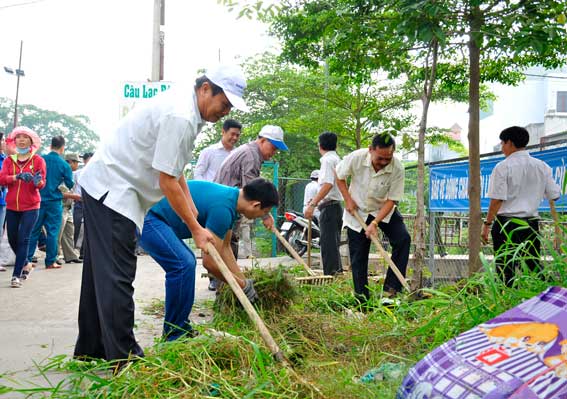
262 329
384 254
313 278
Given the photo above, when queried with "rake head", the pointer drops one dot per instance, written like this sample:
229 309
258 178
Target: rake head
314 280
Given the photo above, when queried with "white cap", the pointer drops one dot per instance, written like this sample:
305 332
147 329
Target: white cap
275 135
232 81
314 174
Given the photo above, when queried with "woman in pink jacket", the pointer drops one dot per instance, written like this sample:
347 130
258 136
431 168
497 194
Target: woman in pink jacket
24 175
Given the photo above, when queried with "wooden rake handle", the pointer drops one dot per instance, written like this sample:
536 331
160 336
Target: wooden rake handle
383 252
557 240
227 274
293 252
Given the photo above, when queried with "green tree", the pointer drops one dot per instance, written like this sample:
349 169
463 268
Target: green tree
78 136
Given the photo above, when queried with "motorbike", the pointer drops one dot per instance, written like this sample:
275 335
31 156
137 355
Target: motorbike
295 231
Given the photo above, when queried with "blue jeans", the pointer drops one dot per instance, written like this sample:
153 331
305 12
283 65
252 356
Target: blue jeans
178 261
50 216
19 226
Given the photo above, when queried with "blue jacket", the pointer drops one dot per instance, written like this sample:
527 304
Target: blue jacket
2 188
58 172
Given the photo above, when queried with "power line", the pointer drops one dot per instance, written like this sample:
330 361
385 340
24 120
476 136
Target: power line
21 4
544 76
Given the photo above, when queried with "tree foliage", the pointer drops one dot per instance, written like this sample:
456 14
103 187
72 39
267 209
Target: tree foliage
78 136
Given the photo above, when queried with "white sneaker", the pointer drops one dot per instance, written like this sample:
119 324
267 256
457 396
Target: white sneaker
26 271
15 283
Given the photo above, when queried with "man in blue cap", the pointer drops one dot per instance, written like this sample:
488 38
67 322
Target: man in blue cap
243 165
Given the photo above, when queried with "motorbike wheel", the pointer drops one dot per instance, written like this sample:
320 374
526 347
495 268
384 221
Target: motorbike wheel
293 236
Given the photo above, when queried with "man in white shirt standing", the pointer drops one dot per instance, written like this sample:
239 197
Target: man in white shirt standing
328 201
517 186
212 157
377 185
139 163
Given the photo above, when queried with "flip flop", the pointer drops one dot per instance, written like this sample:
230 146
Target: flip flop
53 266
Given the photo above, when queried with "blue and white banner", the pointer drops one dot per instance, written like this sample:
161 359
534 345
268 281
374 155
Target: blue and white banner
448 184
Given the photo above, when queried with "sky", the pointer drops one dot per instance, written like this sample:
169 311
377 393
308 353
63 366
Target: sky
76 53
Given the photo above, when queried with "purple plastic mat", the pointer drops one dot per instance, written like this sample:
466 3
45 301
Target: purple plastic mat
520 354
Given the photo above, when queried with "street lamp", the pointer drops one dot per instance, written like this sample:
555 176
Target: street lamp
18 72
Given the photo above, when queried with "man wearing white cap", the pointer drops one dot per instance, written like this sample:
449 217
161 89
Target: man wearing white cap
243 165
139 163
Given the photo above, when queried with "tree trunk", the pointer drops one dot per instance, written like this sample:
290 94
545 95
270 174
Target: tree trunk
429 81
475 216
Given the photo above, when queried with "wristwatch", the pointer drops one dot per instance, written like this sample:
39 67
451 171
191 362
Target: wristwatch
487 223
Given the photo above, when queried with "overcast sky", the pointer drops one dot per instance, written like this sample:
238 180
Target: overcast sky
77 52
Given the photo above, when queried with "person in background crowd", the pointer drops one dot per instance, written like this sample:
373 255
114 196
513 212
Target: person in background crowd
141 162
328 202
377 185
164 232
24 175
517 186
51 210
212 157
242 166
66 247
2 192
78 208
311 190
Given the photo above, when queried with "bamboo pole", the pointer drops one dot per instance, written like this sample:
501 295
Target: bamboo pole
309 244
264 333
383 252
555 216
293 252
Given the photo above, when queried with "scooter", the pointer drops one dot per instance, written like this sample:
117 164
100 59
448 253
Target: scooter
295 231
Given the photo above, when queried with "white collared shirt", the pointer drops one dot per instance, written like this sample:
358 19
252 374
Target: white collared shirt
310 192
329 162
210 160
370 189
156 137
521 182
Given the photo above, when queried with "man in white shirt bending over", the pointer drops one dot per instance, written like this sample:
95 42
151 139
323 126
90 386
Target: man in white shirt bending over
517 186
212 157
141 162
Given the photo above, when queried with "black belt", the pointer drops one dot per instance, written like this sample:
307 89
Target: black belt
327 203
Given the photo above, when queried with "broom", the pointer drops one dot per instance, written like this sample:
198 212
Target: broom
384 254
313 278
264 333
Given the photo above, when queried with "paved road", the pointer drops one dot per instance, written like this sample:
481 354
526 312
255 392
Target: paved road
39 320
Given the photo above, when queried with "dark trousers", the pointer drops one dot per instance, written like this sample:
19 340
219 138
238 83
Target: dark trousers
507 235
50 217
106 307
19 226
330 223
359 248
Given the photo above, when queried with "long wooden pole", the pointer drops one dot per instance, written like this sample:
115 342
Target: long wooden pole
264 333
384 254
309 244
227 274
557 240
293 252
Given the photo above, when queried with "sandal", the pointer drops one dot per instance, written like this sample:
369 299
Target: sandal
53 266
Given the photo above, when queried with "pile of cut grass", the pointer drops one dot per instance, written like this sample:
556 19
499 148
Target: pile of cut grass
321 331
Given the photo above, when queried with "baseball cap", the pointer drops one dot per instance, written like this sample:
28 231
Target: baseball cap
275 135
71 157
231 80
314 174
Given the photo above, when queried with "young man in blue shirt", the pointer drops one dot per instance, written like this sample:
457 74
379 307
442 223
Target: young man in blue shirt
218 208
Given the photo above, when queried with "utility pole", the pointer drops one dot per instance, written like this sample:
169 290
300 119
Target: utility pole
19 73
158 38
